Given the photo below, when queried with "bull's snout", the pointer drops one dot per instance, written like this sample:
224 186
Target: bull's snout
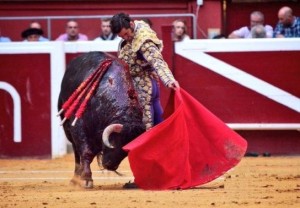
110 166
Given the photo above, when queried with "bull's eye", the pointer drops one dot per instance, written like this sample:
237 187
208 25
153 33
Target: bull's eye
110 80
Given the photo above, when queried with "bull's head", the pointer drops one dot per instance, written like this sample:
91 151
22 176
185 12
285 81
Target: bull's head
114 137
121 106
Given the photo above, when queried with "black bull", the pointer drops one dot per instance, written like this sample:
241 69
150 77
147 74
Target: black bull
113 102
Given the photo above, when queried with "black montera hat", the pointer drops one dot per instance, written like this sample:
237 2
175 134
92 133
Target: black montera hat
31 31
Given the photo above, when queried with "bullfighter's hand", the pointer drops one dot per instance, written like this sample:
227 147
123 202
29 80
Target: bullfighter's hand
174 85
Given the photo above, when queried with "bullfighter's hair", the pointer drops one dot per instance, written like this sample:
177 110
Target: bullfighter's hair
119 21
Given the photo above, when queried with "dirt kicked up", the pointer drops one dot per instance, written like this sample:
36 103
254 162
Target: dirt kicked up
267 182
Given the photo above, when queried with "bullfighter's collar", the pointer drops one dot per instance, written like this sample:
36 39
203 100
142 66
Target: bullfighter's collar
144 33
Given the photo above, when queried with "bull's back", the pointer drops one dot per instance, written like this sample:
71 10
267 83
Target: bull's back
77 71
112 92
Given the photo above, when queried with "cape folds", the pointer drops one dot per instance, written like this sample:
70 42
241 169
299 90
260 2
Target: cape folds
191 147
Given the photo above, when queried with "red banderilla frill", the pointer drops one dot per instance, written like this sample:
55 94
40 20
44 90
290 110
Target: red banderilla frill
86 89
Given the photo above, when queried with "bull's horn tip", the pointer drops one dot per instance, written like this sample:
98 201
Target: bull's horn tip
108 130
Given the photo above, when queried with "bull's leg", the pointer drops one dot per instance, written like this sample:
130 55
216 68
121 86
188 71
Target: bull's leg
83 174
78 168
86 175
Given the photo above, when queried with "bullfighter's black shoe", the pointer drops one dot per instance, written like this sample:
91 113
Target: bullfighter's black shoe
130 185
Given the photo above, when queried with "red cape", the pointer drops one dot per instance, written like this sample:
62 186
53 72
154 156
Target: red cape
191 147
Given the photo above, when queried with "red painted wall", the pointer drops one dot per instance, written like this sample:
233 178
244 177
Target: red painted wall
209 16
234 103
30 76
273 142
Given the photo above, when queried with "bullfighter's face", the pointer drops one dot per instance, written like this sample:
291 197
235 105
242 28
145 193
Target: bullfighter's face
127 33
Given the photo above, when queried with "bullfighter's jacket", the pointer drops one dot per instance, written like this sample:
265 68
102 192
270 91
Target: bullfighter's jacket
143 55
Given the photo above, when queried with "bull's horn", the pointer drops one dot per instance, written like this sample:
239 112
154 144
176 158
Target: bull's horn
108 130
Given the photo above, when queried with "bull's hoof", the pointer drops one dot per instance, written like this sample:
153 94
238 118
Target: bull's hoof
87 184
130 185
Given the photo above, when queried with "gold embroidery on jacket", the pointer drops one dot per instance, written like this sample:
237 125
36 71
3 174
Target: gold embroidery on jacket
144 58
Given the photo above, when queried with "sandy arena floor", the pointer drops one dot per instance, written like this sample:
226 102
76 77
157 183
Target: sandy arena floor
256 182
